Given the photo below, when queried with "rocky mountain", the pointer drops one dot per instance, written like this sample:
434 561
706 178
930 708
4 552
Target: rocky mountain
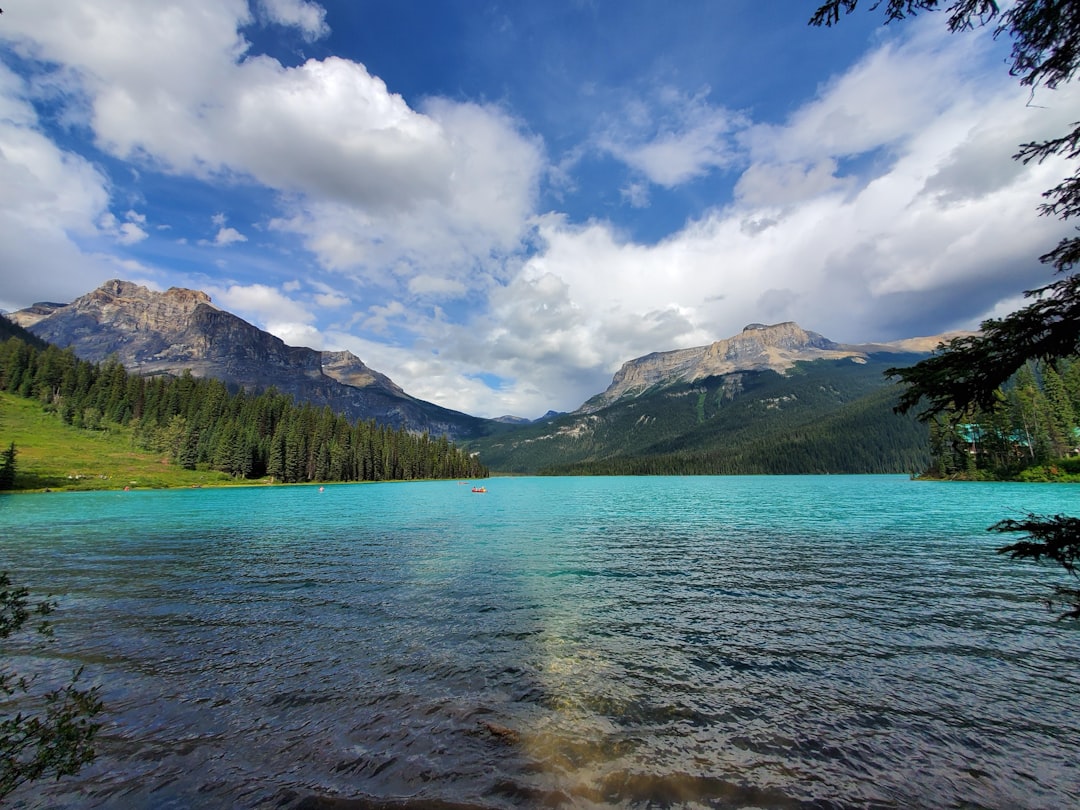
757 348
772 399
181 330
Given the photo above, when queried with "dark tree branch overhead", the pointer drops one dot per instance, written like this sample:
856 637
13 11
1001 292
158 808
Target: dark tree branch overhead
967 371
1053 538
56 738
1045 33
1056 538
963 14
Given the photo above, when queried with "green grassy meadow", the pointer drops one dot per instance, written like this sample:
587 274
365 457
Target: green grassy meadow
56 456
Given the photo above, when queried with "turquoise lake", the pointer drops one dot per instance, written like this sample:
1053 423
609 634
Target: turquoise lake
725 642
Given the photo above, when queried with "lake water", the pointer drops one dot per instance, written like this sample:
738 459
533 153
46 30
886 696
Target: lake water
735 642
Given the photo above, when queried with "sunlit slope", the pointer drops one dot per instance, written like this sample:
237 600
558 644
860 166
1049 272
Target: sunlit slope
53 455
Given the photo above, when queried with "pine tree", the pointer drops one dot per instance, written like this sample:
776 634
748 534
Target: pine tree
1060 412
7 467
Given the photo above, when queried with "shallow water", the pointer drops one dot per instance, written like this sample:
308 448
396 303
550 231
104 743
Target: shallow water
743 642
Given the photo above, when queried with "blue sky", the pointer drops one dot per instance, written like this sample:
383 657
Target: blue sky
499 203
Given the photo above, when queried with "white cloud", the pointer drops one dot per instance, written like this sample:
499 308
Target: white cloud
636 195
440 286
328 128
887 203
765 184
492 172
264 306
885 98
888 206
130 234
167 84
674 138
52 201
125 233
297 334
380 318
369 181
330 300
228 236
310 18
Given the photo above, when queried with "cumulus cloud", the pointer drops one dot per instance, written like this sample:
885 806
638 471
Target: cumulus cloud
492 176
674 138
228 236
125 233
765 184
887 206
438 286
886 97
171 86
310 18
53 202
635 195
367 181
330 300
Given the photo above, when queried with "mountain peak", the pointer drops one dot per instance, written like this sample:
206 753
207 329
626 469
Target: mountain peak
758 347
148 307
181 330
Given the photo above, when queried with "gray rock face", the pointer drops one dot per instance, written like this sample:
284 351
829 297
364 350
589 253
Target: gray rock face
181 330
757 348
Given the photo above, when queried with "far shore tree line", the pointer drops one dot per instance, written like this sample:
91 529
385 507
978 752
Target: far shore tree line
201 424
1032 433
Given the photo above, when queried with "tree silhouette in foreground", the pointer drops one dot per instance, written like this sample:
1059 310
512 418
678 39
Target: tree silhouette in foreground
966 373
54 736
1054 538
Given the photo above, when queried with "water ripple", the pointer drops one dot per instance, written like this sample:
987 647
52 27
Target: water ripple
725 643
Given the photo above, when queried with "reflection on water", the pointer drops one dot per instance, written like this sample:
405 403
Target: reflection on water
708 642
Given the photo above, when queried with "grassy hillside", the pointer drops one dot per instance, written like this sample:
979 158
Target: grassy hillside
822 417
52 455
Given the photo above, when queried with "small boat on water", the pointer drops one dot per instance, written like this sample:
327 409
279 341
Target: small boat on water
479 489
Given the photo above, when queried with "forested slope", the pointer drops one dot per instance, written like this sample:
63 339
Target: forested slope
823 416
200 423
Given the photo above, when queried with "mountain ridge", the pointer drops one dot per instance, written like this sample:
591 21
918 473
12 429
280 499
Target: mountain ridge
759 347
182 330
823 416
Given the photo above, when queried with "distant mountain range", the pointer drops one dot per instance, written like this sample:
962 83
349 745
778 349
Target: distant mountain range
742 404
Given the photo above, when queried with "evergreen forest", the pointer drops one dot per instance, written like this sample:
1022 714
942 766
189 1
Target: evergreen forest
202 424
1032 433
